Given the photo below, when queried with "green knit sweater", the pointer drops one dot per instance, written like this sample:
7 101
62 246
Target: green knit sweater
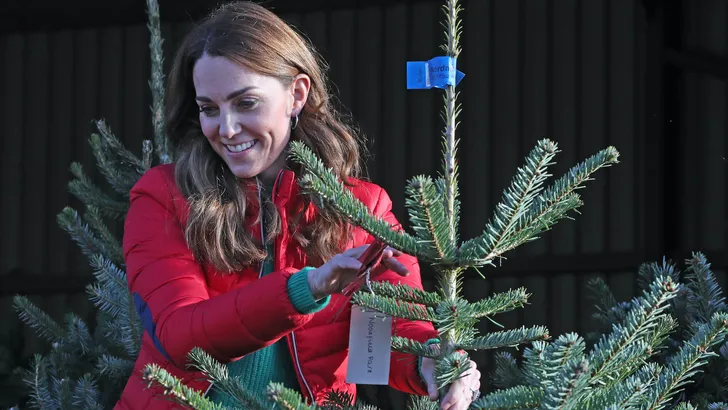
273 363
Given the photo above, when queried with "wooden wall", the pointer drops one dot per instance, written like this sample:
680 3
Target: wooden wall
570 70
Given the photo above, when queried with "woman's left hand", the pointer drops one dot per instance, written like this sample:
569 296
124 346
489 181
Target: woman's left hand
462 392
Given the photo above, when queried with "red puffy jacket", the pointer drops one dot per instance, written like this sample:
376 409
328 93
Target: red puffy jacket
184 304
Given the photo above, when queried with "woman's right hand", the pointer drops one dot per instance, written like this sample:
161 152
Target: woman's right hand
333 276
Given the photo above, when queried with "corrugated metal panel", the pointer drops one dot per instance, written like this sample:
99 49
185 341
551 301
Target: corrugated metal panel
704 131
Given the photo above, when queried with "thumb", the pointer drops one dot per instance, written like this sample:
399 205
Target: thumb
428 376
432 390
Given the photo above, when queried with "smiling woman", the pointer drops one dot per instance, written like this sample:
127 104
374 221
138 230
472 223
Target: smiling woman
243 74
226 254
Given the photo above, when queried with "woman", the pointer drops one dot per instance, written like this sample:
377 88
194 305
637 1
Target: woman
222 250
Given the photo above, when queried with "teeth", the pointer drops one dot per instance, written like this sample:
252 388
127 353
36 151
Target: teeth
240 147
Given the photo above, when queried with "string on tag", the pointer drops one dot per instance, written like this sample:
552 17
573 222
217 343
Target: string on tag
369 285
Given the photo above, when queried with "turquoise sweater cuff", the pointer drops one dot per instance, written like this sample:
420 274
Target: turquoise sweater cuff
300 294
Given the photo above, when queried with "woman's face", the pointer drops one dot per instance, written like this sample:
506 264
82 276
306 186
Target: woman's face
246 116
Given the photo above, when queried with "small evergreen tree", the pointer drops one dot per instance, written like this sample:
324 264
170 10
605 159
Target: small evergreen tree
86 368
693 307
617 372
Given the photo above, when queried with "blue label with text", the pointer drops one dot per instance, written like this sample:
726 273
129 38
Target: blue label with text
438 72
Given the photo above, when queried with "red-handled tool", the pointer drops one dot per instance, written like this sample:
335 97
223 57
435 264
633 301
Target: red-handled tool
369 259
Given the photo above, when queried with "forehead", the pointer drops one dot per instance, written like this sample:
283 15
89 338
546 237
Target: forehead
218 76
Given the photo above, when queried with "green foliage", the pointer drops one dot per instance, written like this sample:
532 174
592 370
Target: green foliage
615 373
693 308
631 366
276 395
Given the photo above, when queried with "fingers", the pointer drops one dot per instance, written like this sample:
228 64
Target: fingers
346 262
356 252
388 261
462 391
395 266
390 252
432 391
428 376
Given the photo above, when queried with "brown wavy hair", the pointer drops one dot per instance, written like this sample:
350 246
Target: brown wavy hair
257 39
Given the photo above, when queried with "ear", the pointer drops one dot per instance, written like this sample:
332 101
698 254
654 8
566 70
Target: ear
299 91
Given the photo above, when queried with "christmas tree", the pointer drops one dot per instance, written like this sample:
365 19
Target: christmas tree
87 366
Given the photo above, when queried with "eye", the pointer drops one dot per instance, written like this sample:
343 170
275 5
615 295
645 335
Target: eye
208 110
248 103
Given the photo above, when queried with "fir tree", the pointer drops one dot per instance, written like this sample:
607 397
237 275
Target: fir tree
699 300
527 209
617 372
87 366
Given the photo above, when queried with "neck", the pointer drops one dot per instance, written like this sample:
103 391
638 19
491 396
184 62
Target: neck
269 176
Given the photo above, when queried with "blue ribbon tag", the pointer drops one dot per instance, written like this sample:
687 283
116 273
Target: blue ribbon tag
438 72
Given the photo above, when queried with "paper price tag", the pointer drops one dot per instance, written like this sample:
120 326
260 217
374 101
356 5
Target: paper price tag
370 338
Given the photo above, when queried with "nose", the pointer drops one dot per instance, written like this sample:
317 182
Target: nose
229 126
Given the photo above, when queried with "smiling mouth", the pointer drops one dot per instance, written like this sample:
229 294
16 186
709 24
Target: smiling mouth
241 147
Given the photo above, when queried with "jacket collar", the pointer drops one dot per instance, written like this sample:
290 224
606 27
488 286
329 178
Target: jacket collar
285 187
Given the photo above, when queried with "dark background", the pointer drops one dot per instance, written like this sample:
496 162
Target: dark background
645 76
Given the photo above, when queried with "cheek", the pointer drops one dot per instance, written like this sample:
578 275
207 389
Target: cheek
279 122
209 127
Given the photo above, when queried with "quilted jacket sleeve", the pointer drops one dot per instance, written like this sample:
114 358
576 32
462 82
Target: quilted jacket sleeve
170 289
404 372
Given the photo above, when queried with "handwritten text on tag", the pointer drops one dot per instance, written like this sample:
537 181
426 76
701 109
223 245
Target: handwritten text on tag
370 338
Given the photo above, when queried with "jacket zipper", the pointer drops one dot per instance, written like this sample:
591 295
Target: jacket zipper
293 335
208 389
298 365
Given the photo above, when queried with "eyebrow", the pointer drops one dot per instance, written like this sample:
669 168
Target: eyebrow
229 97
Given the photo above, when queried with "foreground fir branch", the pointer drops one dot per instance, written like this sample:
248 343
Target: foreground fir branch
175 390
616 373
276 395
218 374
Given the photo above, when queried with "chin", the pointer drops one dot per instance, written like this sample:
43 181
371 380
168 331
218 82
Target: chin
243 173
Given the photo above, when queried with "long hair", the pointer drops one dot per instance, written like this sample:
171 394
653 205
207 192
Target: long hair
254 37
